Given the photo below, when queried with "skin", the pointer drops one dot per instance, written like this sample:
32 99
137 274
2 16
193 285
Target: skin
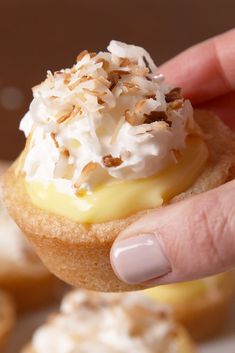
197 235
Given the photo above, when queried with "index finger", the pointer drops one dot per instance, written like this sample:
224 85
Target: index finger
206 70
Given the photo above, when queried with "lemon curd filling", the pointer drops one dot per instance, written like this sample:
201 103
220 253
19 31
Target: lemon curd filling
174 294
123 198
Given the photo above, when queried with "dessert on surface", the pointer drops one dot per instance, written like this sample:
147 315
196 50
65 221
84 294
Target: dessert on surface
117 323
109 125
21 271
107 141
211 298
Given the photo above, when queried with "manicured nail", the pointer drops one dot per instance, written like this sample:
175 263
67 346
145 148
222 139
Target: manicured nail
139 259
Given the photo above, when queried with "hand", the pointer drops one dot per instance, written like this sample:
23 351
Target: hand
196 237
206 72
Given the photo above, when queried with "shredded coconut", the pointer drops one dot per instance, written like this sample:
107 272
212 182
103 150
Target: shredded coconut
98 322
108 103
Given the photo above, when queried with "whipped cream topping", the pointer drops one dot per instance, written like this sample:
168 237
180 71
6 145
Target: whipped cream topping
100 323
109 117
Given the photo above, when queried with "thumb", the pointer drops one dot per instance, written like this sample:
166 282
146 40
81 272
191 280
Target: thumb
187 240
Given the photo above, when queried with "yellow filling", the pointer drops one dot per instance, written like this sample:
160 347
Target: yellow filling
186 292
123 198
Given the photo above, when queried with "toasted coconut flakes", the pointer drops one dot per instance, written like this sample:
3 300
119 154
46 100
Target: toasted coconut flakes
65 152
113 79
124 62
117 129
53 97
131 86
90 167
81 55
110 161
69 115
174 94
139 105
176 104
78 81
63 118
85 78
74 70
100 101
59 72
67 78
151 96
131 118
94 92
53 136
92 54
104 62
156 116
140 71
74 84
103 81
121 72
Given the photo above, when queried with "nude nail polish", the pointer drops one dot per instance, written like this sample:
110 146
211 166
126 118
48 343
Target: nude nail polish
139 259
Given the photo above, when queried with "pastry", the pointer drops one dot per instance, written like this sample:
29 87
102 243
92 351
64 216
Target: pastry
201 306
95 322
7 317
107 141
21 271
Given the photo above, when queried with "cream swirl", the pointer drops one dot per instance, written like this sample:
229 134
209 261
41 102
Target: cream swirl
109 117
96 322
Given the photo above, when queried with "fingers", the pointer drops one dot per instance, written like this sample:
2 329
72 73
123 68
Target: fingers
224 107
184 241
206 70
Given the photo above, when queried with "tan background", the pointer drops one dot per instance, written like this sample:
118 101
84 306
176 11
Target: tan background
36 35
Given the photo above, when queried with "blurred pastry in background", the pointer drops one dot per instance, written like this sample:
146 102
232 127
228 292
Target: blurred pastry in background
7 316
21 271
108 140
105 323
201 306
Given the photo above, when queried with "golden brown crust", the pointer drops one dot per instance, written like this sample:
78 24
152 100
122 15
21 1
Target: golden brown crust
78 253
7 316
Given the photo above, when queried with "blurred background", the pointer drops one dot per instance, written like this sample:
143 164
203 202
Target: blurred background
37 35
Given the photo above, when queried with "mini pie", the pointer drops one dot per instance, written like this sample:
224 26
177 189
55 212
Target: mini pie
7 317
106 323
200 306
107 142
21 271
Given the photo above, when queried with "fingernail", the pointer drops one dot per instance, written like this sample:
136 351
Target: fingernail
139 259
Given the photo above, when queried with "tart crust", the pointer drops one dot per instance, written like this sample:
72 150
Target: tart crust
79 253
